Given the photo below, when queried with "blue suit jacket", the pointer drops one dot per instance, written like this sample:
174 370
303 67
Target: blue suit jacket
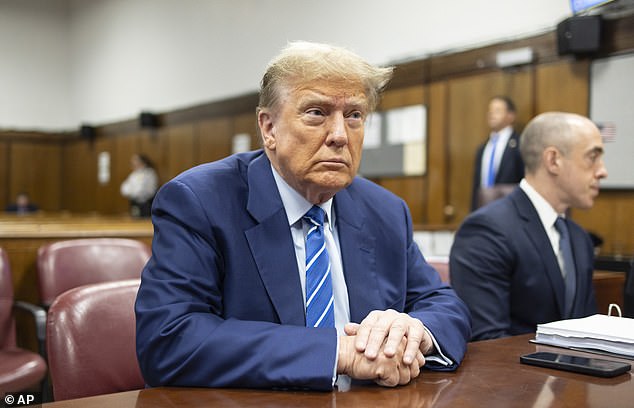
220 302
503 266
511 170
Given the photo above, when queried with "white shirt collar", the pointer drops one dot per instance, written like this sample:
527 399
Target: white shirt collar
503 133
296 205
546 212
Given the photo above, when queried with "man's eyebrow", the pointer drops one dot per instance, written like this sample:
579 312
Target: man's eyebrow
595 149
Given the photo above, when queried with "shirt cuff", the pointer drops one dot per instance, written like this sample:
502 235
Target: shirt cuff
438 357
334 369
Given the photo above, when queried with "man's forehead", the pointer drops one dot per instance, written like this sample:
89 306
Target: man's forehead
332 95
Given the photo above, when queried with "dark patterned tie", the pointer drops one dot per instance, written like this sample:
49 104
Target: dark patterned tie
568 272
319 297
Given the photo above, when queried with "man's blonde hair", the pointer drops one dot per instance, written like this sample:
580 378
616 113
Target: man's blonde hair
302 62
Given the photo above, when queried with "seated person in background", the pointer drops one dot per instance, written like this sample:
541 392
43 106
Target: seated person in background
519 262
140 186
22 205
498 164
262 260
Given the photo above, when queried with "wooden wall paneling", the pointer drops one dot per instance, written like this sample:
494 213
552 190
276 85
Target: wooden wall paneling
214 139
436 195
612 219
247 123
36 168
79 176
409 189
180 148
519 86
467 107
622 241
413 95
5 198
563 86
105 192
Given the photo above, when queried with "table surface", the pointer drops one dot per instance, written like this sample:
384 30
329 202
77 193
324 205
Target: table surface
490 376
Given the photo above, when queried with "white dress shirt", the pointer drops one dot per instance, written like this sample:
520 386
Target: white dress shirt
547 216
296 206
503 138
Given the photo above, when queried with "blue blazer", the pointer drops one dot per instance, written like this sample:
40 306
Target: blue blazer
220 302
511 170
503 266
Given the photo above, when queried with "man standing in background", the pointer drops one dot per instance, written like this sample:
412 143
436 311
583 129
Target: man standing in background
497 161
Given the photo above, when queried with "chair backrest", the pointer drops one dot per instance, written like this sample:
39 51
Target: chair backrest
91 340
489 194
67 264
442 266
7 322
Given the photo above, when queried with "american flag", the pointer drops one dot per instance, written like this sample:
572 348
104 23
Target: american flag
608 131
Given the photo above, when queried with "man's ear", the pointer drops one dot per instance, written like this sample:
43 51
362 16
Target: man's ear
266 125
552 160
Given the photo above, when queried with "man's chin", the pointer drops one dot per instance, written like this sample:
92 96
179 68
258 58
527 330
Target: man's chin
334 182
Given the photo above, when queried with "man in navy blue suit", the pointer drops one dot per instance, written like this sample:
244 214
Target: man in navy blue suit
498 160
222 302
509 261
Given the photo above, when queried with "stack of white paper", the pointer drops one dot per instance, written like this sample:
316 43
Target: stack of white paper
598 332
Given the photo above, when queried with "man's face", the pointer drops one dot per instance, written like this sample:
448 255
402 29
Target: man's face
22 200
498 116
582 169
315 136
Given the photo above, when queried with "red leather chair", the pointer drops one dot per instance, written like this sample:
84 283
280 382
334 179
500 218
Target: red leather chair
67 264
487 195
442 266
20 369
91 340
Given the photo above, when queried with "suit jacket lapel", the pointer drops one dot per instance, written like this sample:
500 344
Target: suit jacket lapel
358 253
508 155
271 244
537 235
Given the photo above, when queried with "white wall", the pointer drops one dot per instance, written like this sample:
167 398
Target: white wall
34 65
159 55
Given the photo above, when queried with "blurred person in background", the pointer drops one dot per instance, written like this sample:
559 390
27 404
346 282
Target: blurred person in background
140 186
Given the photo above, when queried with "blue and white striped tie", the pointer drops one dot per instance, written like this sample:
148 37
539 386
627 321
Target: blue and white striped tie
319 298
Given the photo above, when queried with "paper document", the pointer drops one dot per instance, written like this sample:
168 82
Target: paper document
598 332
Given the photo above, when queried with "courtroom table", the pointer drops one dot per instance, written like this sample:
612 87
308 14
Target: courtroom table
490 376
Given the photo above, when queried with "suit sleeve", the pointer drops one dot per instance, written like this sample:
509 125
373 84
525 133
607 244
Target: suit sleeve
480 266
436 305
585 264
183 338
475 187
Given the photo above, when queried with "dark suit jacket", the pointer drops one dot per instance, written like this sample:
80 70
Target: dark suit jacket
14 208
511 170
503 266
628 293
220 302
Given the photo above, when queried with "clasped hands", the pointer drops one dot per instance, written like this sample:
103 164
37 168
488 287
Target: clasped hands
387 347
